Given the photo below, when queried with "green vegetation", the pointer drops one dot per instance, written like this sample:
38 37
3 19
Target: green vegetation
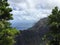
7 33
53 36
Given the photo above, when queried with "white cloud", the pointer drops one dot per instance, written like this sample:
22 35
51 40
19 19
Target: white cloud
32 10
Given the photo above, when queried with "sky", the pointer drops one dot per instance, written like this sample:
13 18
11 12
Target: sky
27 12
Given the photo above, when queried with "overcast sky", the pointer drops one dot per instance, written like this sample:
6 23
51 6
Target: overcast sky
30 11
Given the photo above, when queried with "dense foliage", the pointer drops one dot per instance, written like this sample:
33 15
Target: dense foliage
7 33
53 36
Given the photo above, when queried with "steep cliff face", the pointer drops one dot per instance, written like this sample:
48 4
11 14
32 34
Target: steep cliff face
33 35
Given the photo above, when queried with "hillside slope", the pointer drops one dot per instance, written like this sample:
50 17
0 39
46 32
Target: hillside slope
33 35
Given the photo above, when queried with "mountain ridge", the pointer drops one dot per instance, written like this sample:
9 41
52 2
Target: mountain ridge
33 35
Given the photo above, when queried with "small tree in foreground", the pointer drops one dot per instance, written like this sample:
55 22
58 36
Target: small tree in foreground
7 33
53 36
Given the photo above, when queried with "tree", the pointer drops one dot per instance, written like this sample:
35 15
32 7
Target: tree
53 36
7 33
